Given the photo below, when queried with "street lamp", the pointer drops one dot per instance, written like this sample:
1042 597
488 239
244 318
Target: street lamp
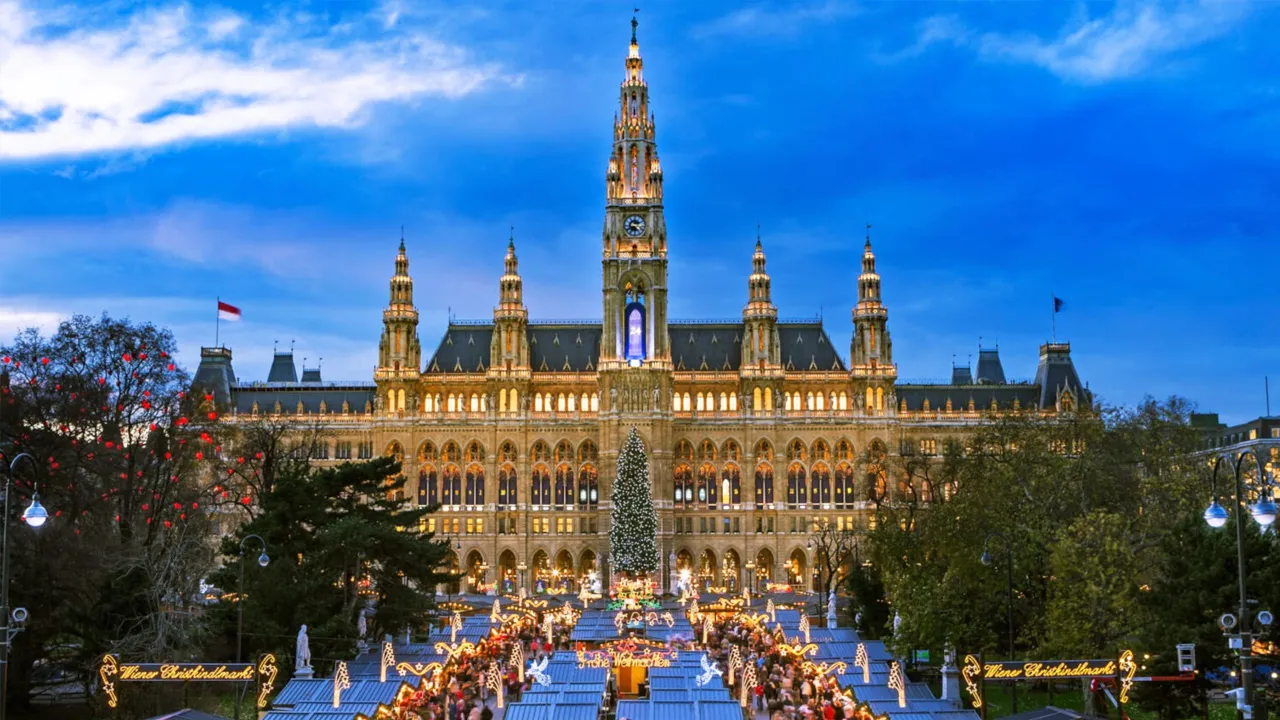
35 515
262 561
751 575
986 560
1264 513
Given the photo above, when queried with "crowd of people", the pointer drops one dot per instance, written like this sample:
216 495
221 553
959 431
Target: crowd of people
786 687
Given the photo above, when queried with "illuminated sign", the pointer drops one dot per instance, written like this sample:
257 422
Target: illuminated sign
1128 668
112 671
1010 670
628 653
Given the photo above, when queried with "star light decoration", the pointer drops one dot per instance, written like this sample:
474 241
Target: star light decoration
694 611
773 611
797 650
748 683
972 673
454 651
387 660
804 626
735 662
455 624
1128 668
860 660
493 681
517 659
419 669
496 616
898 682
267 672
821 669
341 681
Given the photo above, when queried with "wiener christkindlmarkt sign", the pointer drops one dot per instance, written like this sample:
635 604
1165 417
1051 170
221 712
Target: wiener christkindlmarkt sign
263 672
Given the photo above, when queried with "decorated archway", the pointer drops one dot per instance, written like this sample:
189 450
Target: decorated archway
508 578
588 570
563 575
797 569
707 569
731 570
476 572
764 569
540 573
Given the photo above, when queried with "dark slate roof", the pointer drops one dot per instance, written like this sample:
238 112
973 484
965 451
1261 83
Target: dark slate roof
282 368
311 375
266 395
1028 396
961 375
214 373
990 371
1056 373
575 347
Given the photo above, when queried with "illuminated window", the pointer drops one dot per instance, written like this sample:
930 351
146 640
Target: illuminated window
595 402
733 402
635 347
928 447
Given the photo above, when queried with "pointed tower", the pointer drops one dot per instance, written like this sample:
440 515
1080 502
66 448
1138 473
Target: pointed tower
635 234
399 353
872 369
509 349
761 349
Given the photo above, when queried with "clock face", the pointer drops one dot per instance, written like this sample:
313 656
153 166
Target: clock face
634 225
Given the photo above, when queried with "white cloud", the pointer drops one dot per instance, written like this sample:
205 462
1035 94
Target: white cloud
163 76
761 20
1133 39
14 319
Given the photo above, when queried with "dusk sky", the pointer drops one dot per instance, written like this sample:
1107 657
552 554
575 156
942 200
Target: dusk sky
1125 158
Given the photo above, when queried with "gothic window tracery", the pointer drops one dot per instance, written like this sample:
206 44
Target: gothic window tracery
764 484
797 489
541 452
731 485
707 494
845 493
428 493
475 485
683 484
427 452
451 486
588 487
540 486
821 481
564 486
507 493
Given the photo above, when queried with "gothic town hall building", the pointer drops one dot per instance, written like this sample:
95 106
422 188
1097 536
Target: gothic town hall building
755 428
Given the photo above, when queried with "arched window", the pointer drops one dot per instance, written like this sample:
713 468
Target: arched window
699 404
707 451
541 453
400 399
502 400
475 485
585 403
475 403
731 485
686 402
808 401
595 402
731 451
683 485
589 486
684 450
540 486
475 452
733 402
764 484
451 486
564 452
844 450
428 493
564 486
764 451
453 406
507 452
871 400
820 450
877 483
797 489
560 404
768 399
537 402
427 452
391 401
821 481
724 402
707 490
507 487
573 403
821 402
879 399
845 494
796 451
844 400
757 399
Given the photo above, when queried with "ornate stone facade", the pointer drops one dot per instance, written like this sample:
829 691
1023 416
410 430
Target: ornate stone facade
756 428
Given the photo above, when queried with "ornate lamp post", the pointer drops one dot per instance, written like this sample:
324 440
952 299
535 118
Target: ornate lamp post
751 574
35 515
262 561
986 560
1264 513
523 576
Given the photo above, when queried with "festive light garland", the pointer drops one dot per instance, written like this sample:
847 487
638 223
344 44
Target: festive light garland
898 682
972 673
341 681
387 660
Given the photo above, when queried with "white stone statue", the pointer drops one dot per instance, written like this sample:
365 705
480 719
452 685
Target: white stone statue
302 653
362 625
673 576
831 609
655 398
897 621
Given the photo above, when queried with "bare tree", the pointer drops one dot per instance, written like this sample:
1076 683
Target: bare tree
836 554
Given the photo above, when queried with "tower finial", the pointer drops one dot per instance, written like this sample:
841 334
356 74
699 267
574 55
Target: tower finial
868 234
401 238
634 23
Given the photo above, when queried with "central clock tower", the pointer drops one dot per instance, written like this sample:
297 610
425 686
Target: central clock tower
635 234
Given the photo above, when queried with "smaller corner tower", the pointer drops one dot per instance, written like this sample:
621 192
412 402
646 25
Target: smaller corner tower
760 343
509 349
399 352
871 351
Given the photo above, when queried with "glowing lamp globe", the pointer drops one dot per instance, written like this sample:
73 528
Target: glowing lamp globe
1264 512
263 560
36 515
1215 515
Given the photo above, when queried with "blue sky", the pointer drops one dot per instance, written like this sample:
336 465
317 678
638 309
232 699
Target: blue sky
1123 157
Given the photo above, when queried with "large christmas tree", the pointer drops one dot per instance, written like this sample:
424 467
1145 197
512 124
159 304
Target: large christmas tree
633 539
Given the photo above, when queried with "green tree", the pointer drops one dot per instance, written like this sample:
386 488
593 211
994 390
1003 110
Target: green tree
633 535
339 542
120 447
1097 571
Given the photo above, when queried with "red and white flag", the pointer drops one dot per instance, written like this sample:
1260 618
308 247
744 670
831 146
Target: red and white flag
228 312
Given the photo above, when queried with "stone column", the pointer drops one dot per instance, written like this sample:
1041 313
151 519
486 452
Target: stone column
951 680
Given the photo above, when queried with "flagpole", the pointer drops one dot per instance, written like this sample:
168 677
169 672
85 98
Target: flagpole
217 323
1053 318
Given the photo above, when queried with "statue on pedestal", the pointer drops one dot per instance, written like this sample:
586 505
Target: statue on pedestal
302 655
831 609
362 628
673 577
